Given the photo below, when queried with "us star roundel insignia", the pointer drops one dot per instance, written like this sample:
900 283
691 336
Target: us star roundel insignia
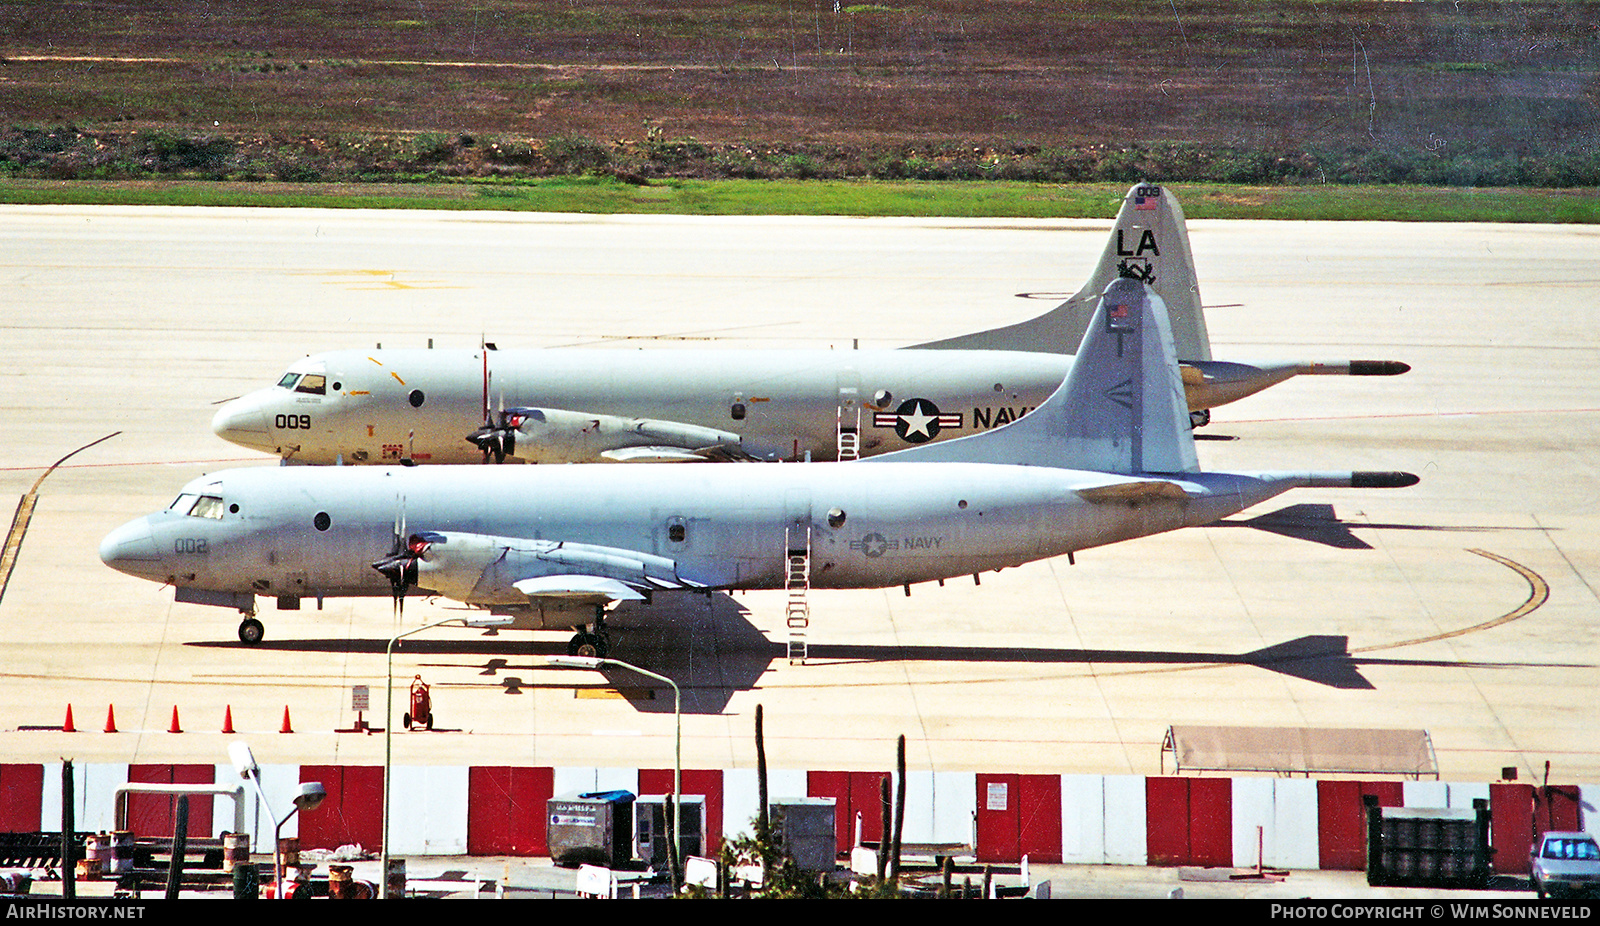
916 421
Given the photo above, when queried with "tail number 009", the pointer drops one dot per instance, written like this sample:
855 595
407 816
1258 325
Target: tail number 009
293 422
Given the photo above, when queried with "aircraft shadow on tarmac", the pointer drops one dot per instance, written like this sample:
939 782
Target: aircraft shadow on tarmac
1319 523
707 644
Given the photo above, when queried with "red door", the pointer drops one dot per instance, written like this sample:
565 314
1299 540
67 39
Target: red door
1019 815
705 782
1511 826
1342 820
506 810
1189 821
852 792
153 815
352 813
21 798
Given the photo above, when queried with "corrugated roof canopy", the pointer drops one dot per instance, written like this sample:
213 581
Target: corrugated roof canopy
1301 750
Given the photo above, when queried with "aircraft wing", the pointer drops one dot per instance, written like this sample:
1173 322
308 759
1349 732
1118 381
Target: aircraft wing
557 435
717 453
583 589
512 571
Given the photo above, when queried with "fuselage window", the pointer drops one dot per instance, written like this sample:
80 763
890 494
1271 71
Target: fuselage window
288 380
208 506
313 383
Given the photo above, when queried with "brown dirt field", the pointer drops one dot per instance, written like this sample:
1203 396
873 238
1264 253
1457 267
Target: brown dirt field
1409 77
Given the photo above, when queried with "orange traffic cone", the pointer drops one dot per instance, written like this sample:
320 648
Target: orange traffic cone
67 727
286 728
111 719
174 728
227 719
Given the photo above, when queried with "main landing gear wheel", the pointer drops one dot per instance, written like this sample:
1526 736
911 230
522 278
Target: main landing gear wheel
251 631
592 645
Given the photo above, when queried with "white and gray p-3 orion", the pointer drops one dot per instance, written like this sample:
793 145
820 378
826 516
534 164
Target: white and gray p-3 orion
1108 456
594 406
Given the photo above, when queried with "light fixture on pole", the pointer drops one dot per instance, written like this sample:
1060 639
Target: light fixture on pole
596 662
309 797
388 720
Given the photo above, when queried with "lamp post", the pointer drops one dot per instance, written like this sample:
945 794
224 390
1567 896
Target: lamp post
593 662
388 721
309 798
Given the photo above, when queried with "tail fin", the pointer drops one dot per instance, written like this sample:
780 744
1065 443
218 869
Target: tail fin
1150 242
1120 410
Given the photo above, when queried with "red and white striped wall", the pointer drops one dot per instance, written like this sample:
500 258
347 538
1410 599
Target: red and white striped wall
1293 823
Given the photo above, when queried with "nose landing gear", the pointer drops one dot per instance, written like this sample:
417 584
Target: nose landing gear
250 630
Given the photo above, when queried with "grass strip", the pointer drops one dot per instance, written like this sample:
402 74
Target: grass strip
606 195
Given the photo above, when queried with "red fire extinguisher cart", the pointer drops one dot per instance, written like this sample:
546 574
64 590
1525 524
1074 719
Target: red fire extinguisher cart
421 706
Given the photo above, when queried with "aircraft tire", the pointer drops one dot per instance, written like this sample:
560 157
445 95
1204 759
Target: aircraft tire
592 645
251 631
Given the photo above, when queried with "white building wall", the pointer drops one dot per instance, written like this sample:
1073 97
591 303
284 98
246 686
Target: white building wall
1285 810
428 810
574 780
955 807
1126 838
1083 819
94 788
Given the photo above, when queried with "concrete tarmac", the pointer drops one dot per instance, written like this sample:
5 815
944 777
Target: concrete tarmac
1465 606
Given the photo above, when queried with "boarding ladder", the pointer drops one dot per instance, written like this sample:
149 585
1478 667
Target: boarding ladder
849 434
797 580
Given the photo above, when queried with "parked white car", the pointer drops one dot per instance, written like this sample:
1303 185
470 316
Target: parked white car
1565 863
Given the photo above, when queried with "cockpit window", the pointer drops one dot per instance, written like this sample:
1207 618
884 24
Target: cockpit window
288 380
198 506
209 506
313 383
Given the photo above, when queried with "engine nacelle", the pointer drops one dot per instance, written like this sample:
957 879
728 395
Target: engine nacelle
553 435
481 569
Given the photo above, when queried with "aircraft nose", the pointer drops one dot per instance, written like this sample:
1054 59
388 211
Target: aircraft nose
131 548
243 421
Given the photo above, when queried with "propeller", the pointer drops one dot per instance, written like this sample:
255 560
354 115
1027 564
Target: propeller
497 436
400 566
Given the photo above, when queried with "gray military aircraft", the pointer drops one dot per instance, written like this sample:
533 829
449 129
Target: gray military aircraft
578 406
1108 456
